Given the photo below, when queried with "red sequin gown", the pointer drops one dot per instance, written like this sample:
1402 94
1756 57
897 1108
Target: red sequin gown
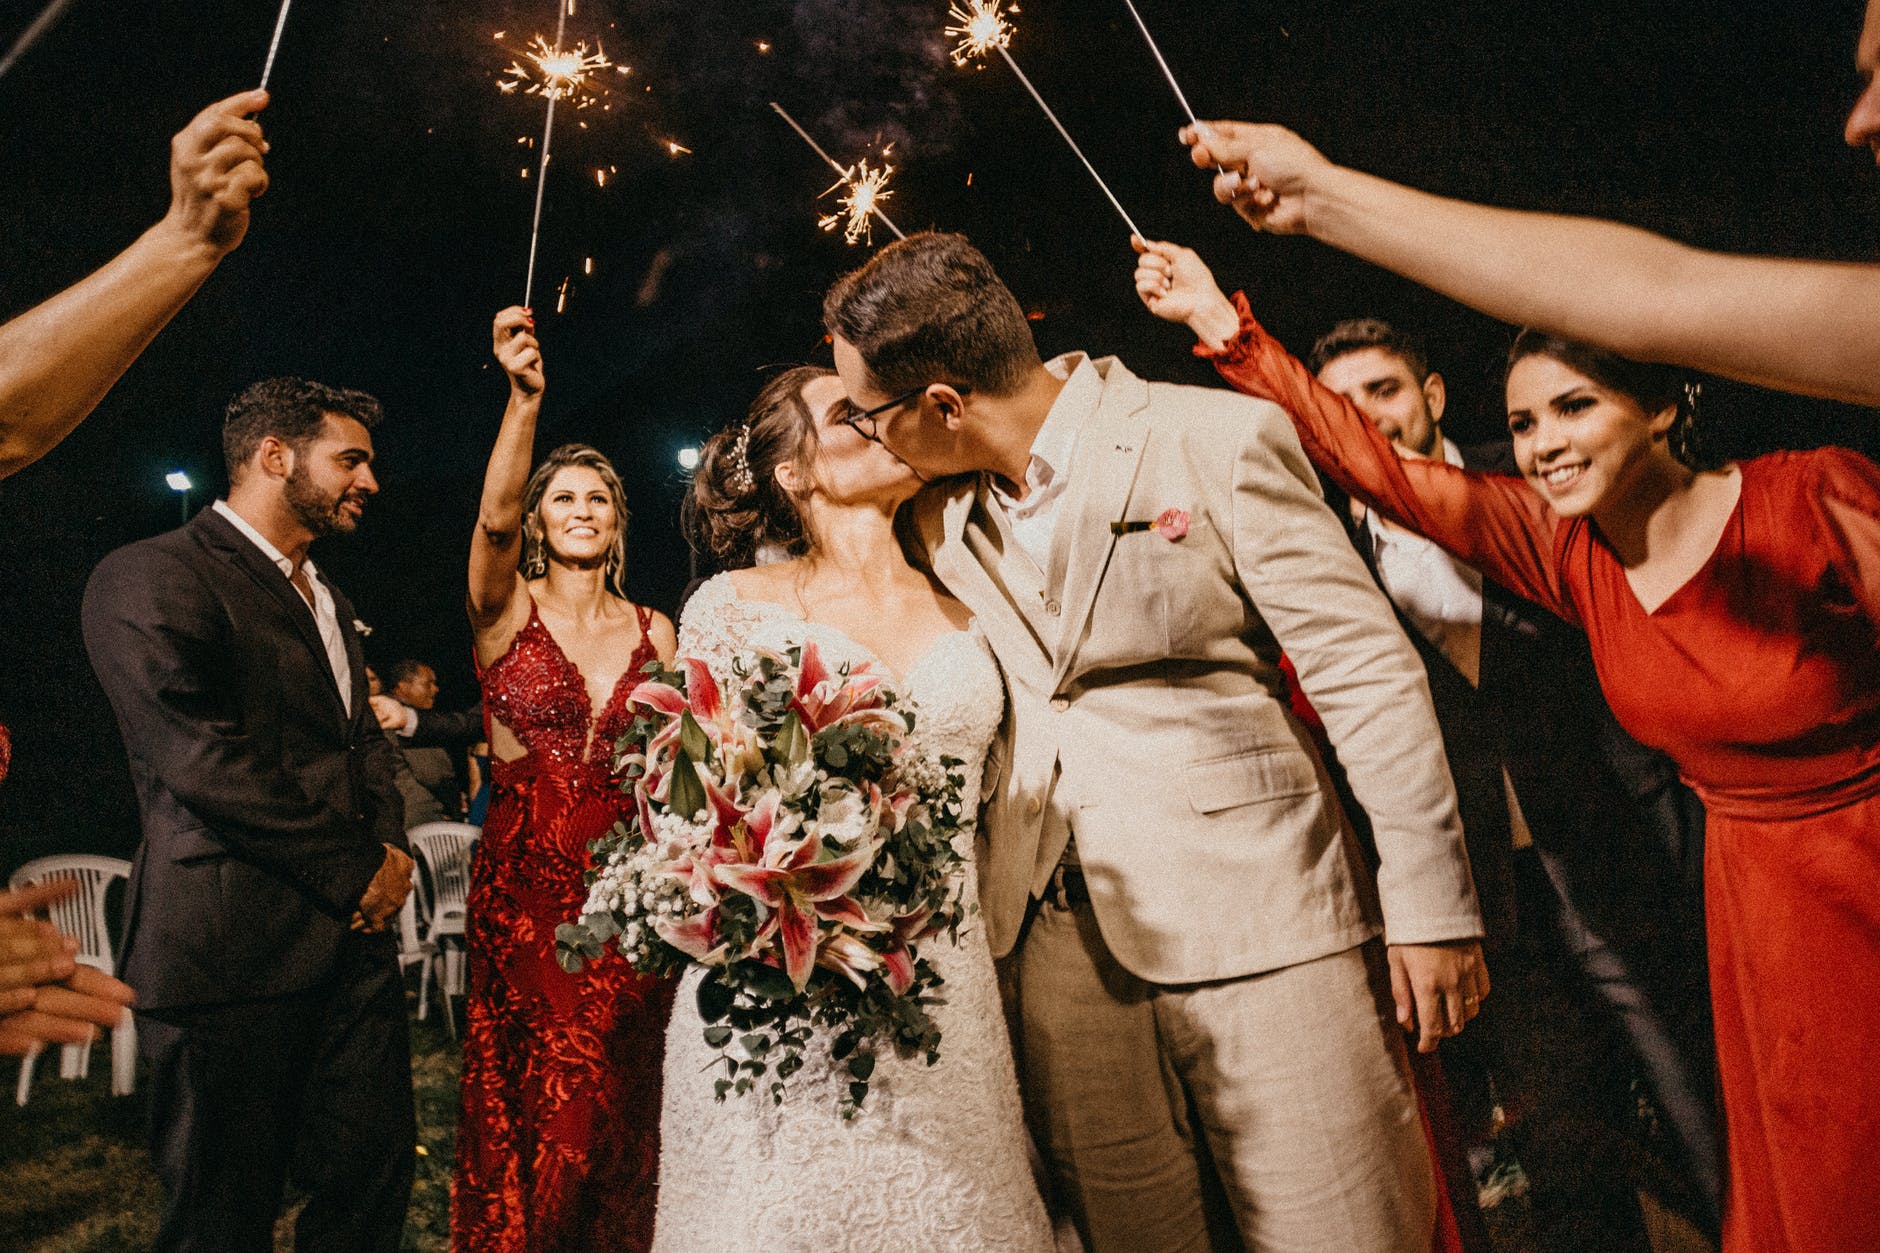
558 1143
1760 677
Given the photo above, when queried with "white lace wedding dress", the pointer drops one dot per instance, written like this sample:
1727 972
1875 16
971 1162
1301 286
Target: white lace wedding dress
936 1160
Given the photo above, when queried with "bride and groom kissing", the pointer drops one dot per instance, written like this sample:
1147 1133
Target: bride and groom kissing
1087 597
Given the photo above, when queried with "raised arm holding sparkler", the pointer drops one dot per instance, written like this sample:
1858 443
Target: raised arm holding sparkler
59 358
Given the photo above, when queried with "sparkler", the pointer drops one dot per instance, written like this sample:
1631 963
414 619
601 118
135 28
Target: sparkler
48 16
274 45
866 190
555 72
982 28
1166 72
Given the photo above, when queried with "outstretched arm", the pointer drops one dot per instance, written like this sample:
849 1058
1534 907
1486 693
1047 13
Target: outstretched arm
1493 522
1801 326
59 358
497 541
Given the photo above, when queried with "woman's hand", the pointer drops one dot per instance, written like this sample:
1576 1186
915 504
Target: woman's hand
1266 173
1177 286
518 351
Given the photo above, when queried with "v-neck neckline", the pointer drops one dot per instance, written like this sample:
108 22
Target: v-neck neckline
1731 523
595 714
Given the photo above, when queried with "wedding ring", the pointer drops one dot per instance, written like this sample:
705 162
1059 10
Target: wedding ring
1468 1001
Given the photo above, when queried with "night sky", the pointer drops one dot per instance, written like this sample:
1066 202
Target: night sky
397 224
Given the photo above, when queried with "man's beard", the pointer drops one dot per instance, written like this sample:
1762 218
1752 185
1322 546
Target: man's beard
320 513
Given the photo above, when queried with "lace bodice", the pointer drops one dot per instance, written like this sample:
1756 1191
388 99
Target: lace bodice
955 685
539 694
937 1158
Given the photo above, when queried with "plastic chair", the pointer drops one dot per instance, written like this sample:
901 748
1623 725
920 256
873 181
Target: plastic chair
81 916
443 852
415 950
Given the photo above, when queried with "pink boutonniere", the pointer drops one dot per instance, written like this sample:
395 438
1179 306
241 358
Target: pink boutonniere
1170 524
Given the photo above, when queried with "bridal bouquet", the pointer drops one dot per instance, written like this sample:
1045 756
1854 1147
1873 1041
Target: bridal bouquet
789 837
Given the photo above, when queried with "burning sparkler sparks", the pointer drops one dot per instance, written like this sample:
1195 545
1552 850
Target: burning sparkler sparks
982 28
866 189
555 72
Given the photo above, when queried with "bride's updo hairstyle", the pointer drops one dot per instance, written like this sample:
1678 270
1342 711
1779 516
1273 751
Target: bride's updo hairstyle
534 560
736 506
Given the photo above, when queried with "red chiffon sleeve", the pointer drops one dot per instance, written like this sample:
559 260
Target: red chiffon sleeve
1494 522
1849 493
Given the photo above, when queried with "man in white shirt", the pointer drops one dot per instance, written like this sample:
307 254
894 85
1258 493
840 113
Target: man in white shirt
271 1017
1580 927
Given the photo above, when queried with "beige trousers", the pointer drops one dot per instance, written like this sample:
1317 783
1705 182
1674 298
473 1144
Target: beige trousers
1278 1105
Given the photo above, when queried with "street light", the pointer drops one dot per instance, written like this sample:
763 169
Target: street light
688 459
179 483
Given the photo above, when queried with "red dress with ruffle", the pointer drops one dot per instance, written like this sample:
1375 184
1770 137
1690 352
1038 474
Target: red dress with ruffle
1760 677
558 1142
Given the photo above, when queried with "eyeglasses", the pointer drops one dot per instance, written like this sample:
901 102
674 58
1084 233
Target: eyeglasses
872 431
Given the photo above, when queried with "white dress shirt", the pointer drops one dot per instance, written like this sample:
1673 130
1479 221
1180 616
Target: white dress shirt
325 614
1034 519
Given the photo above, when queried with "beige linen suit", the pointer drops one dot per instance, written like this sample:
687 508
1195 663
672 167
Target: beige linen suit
1215 987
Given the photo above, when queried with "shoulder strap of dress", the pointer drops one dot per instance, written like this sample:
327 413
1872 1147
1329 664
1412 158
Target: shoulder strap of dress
646 620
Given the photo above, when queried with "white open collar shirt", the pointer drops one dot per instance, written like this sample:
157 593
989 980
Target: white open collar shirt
325 614
1034 519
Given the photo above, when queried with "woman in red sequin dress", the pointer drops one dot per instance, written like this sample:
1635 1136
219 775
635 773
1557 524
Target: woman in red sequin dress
558 1143
1734 618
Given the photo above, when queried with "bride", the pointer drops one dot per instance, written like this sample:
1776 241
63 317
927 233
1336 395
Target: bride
937 1157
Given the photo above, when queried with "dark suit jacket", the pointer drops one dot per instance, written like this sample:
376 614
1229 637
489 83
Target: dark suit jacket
439 728
1585 787
265 807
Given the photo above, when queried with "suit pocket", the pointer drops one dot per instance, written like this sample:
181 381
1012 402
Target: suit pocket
1241 779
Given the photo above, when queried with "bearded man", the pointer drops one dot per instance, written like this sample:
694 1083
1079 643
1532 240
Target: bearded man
270 1014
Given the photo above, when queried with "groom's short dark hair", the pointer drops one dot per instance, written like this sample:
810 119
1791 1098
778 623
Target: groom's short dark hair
930 309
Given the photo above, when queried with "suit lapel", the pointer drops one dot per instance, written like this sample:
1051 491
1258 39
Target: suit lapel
981 561
1103 474
221 535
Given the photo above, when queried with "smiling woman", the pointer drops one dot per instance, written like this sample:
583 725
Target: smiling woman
558 1139
1734 619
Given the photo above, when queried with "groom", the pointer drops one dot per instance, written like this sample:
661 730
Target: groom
1204 1003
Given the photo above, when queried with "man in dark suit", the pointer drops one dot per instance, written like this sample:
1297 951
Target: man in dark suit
1584 846
271 1016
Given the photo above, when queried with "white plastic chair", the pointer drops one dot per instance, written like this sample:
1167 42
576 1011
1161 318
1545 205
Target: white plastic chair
81 916
415 950
443 852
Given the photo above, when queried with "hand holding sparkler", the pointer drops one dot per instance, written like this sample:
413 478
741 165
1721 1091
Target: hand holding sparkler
216 171
1176 285
519 352
1266 173
982 28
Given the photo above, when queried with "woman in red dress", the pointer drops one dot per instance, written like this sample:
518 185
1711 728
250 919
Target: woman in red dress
558 1143
1734 617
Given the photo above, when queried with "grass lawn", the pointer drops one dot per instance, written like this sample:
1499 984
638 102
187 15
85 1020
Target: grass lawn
75 1178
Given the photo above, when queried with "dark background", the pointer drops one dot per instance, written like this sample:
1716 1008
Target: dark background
398 223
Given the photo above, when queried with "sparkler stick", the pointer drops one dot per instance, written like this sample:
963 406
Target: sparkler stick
867 188
48 16
1166 72
982 29
557 72
274 45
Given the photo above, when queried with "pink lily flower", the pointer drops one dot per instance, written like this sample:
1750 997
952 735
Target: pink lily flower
897 960
822 699
800 891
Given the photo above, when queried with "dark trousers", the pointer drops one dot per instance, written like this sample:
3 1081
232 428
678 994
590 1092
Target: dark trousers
312 1088
1567 1027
